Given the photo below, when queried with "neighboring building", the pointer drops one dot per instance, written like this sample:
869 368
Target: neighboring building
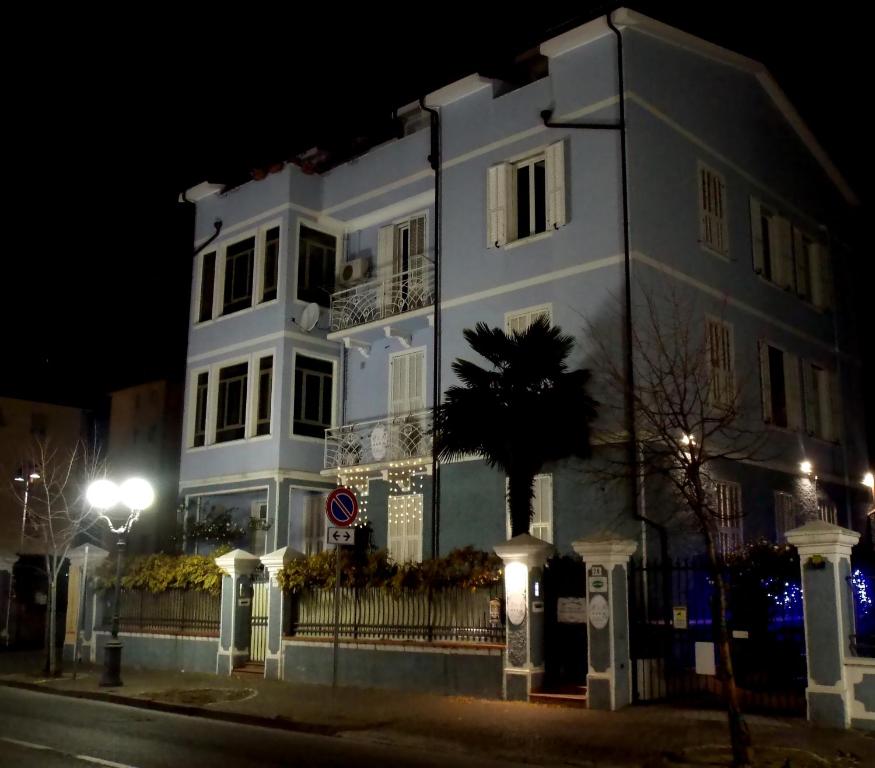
145 425
731 200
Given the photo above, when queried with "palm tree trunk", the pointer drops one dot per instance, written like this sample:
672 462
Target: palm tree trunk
519 501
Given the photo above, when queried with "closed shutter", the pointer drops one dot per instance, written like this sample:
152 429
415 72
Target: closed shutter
793 391
756 236
385 250
765 382
821 276
782 252
801 258
417 242
407 383
719 350
812 399
497 205
556 215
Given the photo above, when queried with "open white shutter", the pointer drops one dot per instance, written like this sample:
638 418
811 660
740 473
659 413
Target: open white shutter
765 382
782 251
555 168
385 249
756 236
793 391
497 201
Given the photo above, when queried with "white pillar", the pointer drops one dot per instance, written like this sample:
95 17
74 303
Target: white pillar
273 563
236 617
81 579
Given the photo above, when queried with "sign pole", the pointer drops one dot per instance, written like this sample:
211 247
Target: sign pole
341 508
336 615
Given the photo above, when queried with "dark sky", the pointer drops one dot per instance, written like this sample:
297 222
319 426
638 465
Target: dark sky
108 119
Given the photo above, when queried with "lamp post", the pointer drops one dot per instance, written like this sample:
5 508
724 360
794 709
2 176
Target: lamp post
27 475
136 495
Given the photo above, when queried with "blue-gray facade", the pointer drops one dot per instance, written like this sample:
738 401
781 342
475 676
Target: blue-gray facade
688 106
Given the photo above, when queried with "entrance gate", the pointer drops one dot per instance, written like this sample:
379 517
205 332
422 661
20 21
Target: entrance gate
565 641
258 632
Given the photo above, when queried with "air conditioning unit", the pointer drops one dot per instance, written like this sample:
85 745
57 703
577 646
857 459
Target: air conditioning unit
354 271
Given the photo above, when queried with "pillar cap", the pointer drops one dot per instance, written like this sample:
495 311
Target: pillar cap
820 537
524 548
274 561
96 555
238 562
605 548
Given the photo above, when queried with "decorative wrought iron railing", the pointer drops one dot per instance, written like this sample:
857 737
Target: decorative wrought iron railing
374 613
370 442
382 298
174 612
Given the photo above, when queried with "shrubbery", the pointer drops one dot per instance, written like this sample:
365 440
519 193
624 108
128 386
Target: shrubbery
159 573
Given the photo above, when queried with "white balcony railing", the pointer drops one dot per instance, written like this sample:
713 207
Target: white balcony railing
374 442
386 297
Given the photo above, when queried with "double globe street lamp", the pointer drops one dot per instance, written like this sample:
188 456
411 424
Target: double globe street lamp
136 495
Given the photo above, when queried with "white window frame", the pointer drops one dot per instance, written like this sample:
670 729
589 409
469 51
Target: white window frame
252 414
191 416
423 350
795 406
335 362
402 543
729 528
198 281
545 479
247 404
261 262
707 216
339 255
725 377
313 523
785 519
539 309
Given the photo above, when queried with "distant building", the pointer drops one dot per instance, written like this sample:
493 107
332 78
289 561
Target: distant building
145 427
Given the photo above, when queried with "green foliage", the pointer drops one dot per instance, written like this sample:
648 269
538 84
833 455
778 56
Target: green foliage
217 527
159 573
465 568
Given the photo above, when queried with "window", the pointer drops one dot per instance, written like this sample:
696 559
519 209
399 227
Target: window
728 517
785 513
199 437
826 511
402 266
713 226
406 382
521 320
526 197
239 270
271 264
822 416
313 396
208 277
405 528
265 388
231 414
779 380
541 526
316 266
720 363
314 523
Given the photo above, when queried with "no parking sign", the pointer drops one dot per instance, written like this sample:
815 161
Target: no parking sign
341 507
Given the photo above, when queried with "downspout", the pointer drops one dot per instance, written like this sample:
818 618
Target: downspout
435 159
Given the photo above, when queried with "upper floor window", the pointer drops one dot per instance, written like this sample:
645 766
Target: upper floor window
239 271
721 367
317 265
780 390
526 197
208 278
727 509
271 264
231 413
822 414
520 320
713 218
789 256
314 395
199 436
265 390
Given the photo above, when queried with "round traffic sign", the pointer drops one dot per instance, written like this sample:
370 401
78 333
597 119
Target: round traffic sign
341 507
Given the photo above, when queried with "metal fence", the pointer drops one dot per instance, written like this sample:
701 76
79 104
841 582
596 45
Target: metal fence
673 637
394 438
374 613
174 612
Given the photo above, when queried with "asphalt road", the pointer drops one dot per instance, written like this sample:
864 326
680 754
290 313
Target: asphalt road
45 731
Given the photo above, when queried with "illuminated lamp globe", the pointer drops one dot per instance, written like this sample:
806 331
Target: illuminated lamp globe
102 494
137 493
805 467
869 480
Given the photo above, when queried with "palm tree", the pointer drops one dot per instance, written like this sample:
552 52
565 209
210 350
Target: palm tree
526 410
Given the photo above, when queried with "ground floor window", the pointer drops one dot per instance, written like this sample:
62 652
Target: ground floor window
314 523
405 528
728 513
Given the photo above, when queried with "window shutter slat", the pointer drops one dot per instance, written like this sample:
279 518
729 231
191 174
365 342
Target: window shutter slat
791 382
555 161
765 382
385 248
756 235
497 205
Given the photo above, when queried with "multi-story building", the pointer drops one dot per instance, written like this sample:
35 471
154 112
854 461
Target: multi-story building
329 309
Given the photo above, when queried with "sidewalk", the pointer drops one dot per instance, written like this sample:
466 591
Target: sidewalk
648 736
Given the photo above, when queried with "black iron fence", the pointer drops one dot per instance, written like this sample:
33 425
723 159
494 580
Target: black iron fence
373 613
174 612
673 637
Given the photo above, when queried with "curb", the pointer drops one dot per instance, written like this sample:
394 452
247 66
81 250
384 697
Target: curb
277 722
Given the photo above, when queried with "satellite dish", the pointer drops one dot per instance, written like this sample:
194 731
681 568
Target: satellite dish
310 316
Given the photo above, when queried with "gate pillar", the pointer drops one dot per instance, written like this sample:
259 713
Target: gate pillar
276 608
825 559
236 615
608 679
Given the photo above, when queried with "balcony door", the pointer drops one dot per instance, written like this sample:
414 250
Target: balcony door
401 265
407 382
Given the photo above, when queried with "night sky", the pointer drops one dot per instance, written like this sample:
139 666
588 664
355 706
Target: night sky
109 118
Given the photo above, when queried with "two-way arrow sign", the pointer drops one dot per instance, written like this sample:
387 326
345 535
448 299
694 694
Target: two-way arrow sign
341 537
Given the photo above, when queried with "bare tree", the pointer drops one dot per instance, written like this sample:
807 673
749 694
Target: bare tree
56 515
689 421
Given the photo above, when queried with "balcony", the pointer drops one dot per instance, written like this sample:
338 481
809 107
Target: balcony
379 442
384 298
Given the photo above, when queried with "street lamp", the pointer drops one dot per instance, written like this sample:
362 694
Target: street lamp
27 475
136 495
869 482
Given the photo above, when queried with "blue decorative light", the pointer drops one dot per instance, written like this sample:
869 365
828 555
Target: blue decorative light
862 588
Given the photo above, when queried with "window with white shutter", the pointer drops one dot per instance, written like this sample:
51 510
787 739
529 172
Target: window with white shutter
721 364
314 523
541 526
781 387
821 401
727 508
526 197
713 224
404 531
406 382
520 320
